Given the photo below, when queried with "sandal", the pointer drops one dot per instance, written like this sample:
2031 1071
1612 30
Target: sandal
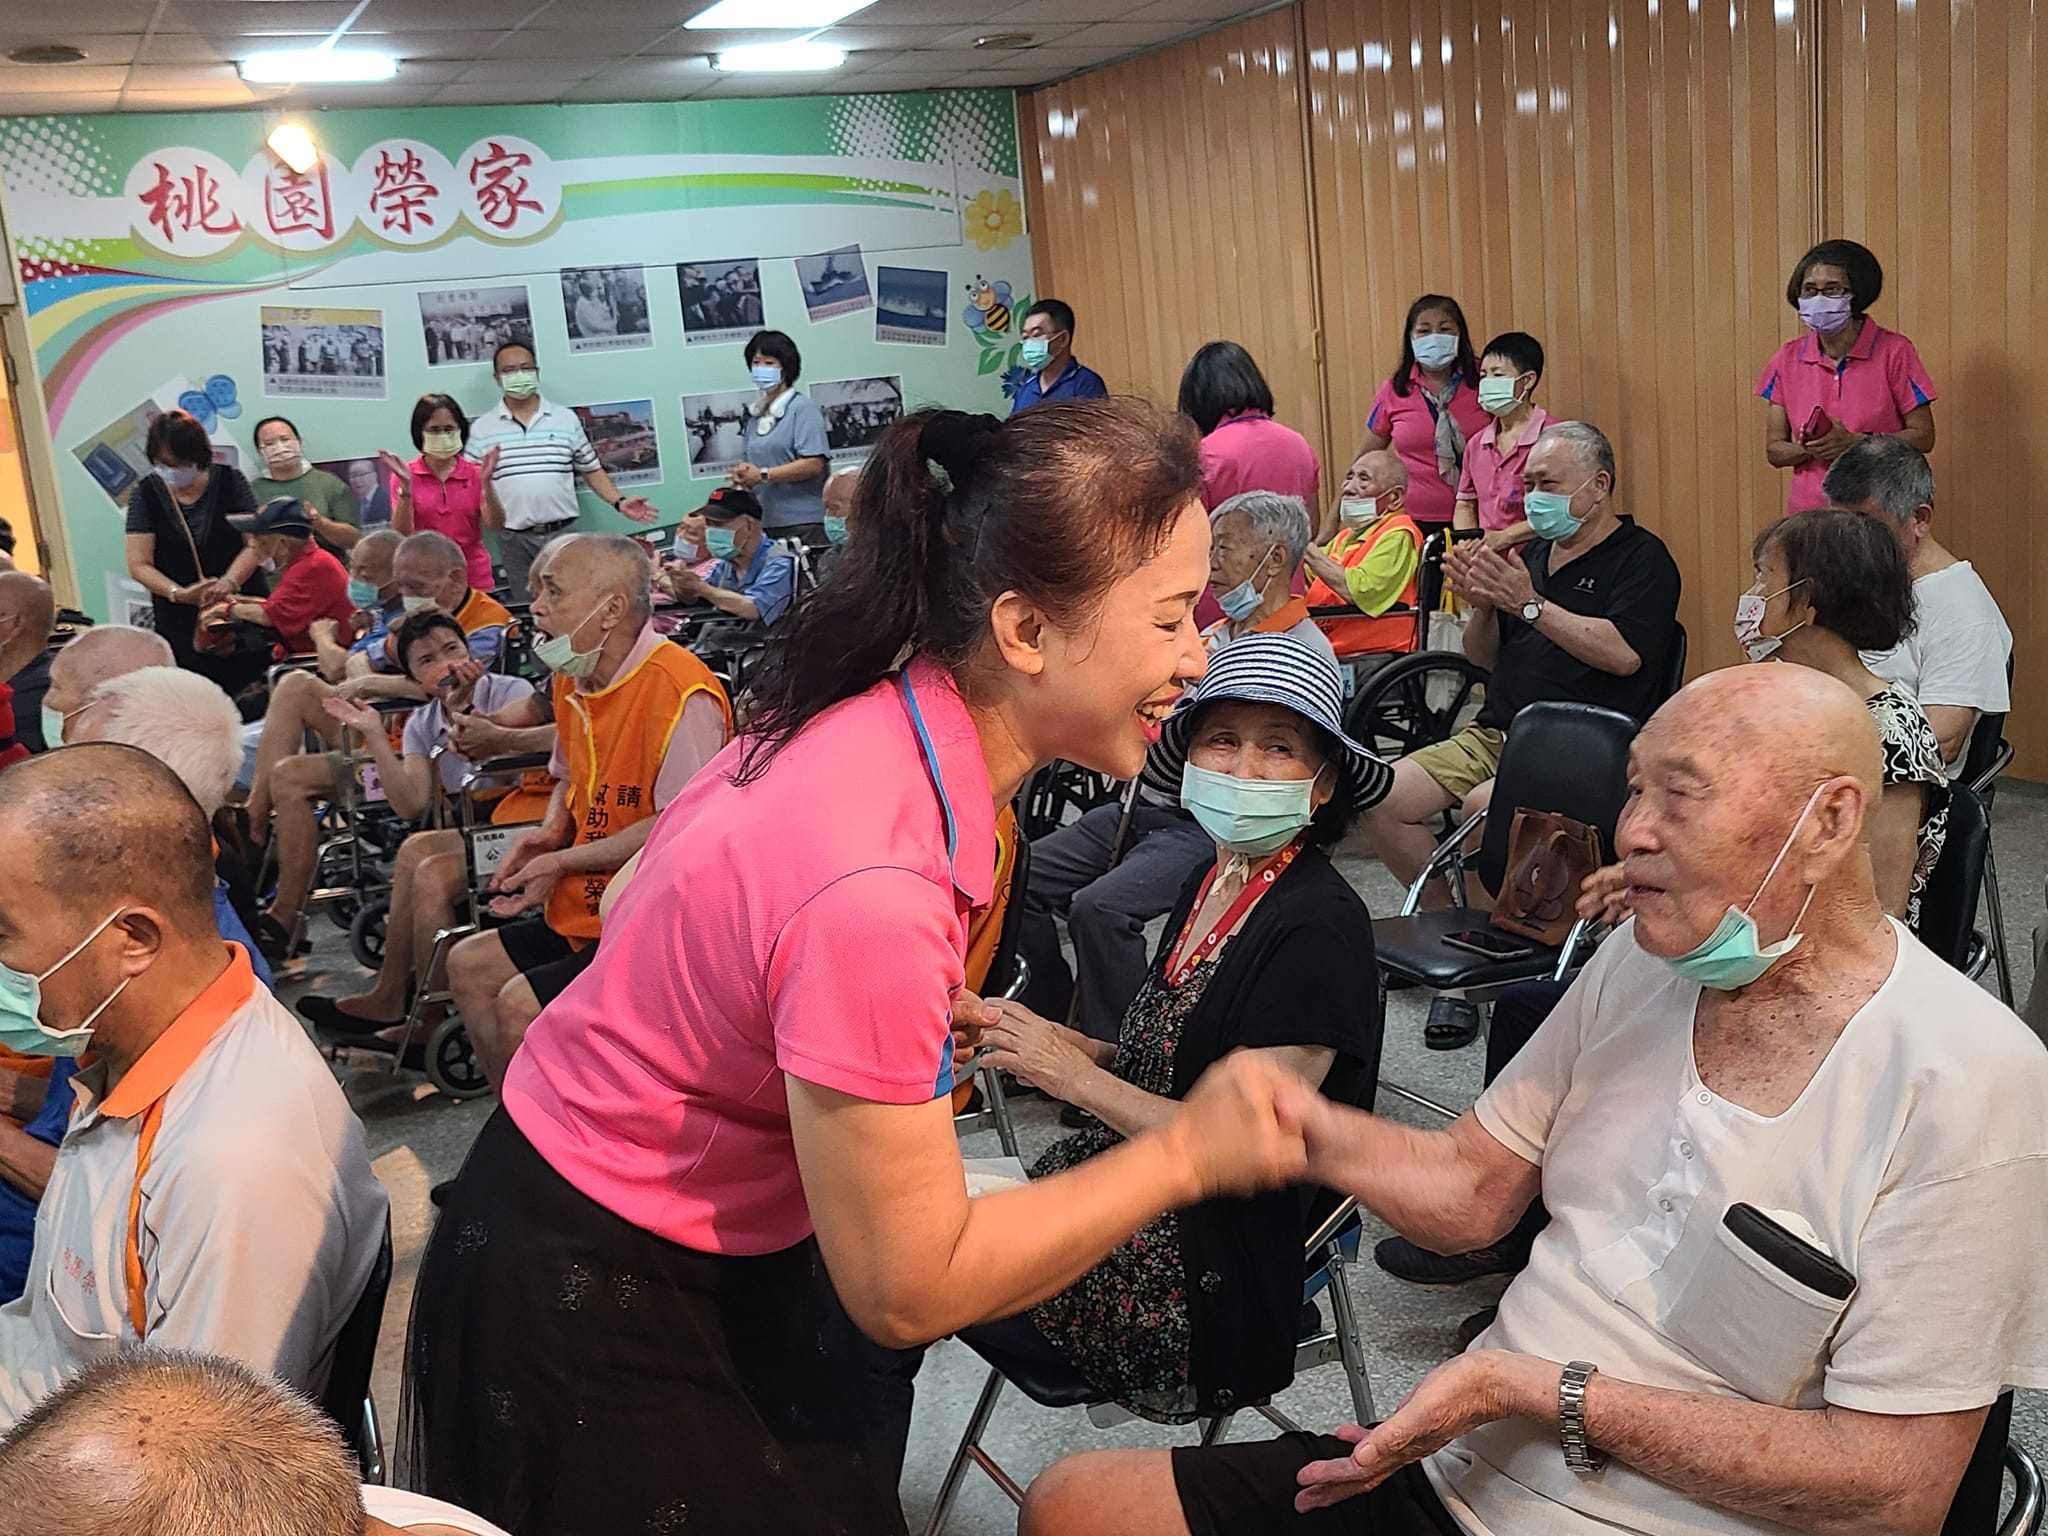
329 1021
275 940
1453 1024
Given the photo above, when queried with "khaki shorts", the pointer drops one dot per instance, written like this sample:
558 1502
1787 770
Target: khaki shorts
1468 760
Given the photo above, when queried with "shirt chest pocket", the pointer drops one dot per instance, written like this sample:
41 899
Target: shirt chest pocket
1761 1331
83 1315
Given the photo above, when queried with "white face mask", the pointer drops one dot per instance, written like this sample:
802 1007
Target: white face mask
1749 624
280 455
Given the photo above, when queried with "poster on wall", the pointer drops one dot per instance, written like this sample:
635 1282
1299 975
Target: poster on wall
834 284
323 354
113 455
857 411
606 308
466 325
716 426
360 475
128 602
721 300
910 306
622 432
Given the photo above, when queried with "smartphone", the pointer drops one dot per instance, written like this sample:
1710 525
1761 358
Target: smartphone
1787 1252
1466 535
1494 946
1817 426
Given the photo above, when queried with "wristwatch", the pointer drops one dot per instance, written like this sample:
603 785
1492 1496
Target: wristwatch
1532 610
1571 1419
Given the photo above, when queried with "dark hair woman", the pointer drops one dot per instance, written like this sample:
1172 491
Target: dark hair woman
1846 380
1829 586
181 547
1426 410
729 1142
442 491
1228 399
785 444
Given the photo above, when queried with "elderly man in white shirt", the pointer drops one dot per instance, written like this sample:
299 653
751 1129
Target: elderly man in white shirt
1798 1177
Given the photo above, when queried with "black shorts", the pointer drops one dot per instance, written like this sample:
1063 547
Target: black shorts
1249 1489
547 960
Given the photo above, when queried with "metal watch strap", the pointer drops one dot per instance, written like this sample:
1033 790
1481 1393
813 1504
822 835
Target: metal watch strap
1571 1418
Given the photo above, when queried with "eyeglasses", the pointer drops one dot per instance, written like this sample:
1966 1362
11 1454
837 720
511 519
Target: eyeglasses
1823 291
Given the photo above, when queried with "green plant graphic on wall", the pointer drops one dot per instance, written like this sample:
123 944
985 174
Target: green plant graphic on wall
1005 353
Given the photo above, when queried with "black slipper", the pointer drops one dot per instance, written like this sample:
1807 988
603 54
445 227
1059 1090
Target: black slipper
328 1019
1453 1024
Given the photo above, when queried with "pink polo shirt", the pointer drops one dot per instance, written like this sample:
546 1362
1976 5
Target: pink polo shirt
1408 422
1494 480
794 925
1870 390
1253 452
454 506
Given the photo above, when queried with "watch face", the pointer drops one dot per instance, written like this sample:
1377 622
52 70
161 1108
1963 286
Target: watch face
1532 609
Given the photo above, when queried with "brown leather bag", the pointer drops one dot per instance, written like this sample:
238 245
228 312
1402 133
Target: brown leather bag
1549 857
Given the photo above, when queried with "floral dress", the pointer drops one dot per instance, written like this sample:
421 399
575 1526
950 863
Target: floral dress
1124 1324
1912 755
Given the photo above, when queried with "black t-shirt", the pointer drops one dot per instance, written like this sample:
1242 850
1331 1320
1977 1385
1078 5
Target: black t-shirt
1629 579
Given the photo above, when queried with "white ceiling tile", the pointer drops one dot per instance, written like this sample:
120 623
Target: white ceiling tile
851 36
474 17
416 44
1038 32
100 48
182 77
1108 37
1190 10
584 43
1023 16
55 104
921 11
40 80
561 73
253 18
21 22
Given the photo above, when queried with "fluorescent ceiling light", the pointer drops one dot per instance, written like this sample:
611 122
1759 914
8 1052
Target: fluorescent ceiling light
298 66
788 15
781 58
294 146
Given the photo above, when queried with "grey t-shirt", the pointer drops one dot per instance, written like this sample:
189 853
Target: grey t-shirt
427 727
799 433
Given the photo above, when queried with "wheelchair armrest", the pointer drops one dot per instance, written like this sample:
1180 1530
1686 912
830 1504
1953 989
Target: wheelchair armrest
1332 1227
497 767
1442 858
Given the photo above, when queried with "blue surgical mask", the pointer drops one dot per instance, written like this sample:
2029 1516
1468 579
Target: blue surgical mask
1733 956
1550 513
362 593
176 476
558 653
1436 351
835 528
1250 816
1036 352
722 542
21 1006
766 375
1242 600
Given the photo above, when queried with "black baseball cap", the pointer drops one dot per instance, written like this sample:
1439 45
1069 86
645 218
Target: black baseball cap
281 514
729 502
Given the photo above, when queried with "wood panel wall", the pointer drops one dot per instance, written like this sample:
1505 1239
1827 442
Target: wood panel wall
1630 181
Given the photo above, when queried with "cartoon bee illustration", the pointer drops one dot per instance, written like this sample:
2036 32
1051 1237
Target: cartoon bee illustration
988 308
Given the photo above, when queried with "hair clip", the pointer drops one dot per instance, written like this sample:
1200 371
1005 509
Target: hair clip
939 473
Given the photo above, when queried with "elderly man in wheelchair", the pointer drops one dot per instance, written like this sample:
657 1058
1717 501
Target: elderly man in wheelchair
1798 1178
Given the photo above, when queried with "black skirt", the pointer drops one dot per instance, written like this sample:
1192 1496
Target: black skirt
571 1374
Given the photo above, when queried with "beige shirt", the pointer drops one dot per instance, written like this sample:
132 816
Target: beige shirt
409 1511
1917 1156
219 1199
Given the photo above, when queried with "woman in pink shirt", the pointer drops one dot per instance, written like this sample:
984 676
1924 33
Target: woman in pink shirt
442 491
1847 379
1427 411
725 1160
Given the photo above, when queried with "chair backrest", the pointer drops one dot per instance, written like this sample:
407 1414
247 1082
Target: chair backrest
1429 583
1975 1509
1948 902
1674 664
1568 758
1986 736
355 1352
1002 968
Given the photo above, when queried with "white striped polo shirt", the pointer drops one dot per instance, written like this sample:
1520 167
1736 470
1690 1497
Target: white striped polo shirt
538 462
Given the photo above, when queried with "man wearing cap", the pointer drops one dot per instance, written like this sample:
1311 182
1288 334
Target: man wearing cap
212 1190
311 584
755 577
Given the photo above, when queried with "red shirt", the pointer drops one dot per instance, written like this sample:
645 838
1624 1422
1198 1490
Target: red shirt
314 586
1408 422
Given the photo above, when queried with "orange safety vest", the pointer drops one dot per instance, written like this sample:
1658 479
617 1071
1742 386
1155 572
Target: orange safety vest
613 740
985 932
1366 635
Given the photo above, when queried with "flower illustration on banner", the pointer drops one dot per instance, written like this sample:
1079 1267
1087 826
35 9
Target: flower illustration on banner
1004 354
993 219
1014 379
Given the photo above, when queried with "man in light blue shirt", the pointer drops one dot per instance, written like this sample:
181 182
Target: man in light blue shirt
755 577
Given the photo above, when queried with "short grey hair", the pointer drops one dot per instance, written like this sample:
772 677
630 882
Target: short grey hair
621 566
386 537
1885 472
179 718
442 552
1589 442
1275 519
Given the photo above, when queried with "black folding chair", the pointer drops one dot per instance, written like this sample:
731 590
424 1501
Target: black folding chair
347 1399
1948 902
1984 759
1976 1509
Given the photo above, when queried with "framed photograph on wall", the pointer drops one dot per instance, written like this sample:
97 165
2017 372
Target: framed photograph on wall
910 306
857 412
466 325
323 354
606 308
834 284
622 432
716 426
113 455
721 300
363 476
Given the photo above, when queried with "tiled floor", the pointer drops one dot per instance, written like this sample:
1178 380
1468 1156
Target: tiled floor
417 1137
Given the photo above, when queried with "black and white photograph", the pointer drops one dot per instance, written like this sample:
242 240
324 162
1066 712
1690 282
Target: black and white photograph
910 306
834 284
466 325
323 354
622 432
721 300
716 426
606 308
856 412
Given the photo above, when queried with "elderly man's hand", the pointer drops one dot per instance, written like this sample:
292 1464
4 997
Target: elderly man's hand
528 886
1495 580
1454 1399
1047 1056
1603 896
680 582
478 738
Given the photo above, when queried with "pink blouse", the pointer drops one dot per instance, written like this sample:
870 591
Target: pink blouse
454 506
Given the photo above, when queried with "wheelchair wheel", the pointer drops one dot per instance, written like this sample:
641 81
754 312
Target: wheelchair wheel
1054 790
1416 702
451 1064
366 932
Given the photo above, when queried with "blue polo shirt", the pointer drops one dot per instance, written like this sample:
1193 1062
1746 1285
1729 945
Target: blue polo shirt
17 1210
372 642
1074 383
769 579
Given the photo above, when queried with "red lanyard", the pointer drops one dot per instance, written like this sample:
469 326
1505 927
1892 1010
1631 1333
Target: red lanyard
1221 929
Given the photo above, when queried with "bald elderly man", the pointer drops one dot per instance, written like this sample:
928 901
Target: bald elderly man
1372 563
28 611
635 718
212 1190
1797 1172
97 654
171 1443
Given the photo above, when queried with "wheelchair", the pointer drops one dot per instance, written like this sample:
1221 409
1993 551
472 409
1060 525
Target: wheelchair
360 834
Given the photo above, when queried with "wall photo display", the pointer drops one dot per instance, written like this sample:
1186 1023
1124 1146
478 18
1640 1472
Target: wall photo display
466 325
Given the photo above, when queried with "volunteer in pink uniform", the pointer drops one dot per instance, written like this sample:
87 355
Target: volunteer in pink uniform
1426 411
726 1151
1848 378
442 491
